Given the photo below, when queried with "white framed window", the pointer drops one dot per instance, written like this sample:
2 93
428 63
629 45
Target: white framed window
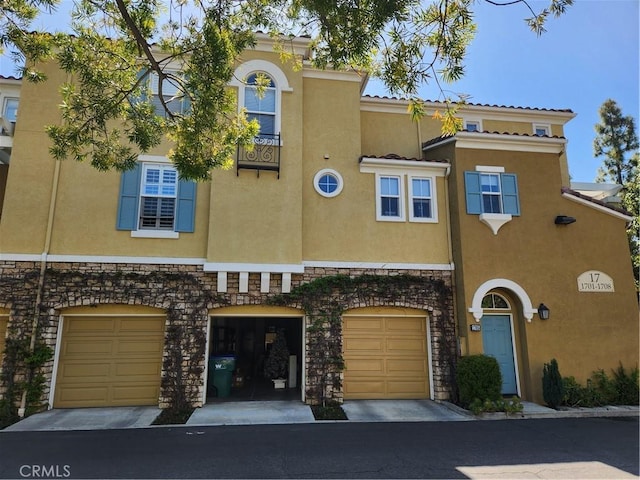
266 108
10 109
158 193
260 102
542 129
495 301
491 193
172 94
389 198
422 202
472 125
328 183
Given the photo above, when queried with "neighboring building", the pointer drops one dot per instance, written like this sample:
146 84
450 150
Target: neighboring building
146 276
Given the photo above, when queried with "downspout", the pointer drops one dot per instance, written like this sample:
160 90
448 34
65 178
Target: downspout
43 267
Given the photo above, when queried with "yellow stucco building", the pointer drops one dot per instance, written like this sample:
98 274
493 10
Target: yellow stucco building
422 248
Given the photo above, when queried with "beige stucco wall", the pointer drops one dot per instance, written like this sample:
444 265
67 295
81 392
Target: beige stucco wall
586 331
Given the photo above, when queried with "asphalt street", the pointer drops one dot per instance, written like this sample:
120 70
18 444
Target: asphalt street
321 450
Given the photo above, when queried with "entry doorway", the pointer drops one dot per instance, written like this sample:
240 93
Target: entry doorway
497 339
248 342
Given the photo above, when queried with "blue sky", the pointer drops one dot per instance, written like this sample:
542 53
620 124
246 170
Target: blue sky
586 56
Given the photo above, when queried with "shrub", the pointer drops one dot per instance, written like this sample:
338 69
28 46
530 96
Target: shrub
552 388
626 386
478 378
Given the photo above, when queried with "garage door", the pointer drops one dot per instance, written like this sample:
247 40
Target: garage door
385 354
109 361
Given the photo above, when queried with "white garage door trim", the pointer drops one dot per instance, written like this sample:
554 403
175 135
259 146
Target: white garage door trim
429 349
56 357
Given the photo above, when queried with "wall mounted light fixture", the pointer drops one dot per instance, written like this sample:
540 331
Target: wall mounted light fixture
543 312
564 220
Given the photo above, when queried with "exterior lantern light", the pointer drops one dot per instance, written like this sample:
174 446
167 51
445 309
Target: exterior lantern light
543 312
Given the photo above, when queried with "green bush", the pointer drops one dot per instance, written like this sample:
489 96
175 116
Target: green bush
509 406
478 378
626 386
552 388
602 390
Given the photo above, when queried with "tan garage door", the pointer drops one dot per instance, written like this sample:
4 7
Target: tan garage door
385 355
109 361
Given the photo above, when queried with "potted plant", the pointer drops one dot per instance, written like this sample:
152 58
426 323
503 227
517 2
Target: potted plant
276 364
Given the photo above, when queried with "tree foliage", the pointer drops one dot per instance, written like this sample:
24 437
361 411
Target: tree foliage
119 47
617 141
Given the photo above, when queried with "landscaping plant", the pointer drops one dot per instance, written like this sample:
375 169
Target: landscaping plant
479 379
552 386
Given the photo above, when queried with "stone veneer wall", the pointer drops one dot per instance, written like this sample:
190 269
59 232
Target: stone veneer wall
187 294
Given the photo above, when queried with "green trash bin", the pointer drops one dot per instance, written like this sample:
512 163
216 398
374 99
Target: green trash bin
221 374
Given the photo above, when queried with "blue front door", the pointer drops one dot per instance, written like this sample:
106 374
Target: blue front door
496 338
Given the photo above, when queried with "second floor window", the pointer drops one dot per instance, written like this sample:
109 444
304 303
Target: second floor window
158 197
491 192
173 97
260 102
10 112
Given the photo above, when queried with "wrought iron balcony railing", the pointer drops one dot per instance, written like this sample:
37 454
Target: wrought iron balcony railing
265 154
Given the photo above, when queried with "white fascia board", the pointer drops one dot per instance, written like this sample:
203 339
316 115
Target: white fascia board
595 206
377 165
21 257
254 267
344 76
514 143
379 265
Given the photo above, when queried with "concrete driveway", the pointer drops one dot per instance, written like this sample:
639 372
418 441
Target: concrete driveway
237 413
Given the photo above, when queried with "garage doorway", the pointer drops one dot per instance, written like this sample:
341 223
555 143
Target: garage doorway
243 342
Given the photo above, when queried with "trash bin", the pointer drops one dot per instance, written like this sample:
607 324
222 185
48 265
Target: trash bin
221 374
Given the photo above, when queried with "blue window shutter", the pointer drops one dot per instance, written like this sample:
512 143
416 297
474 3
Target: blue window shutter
510 199
473 192
129 199
186 207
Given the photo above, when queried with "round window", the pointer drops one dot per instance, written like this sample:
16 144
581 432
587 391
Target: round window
328 183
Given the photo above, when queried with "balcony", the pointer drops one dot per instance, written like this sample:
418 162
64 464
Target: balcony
265 155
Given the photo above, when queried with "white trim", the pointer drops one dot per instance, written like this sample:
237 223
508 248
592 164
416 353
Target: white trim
380 265
254 267
332 172
514 143
343 76
264 282
401 217
206 361
430 358
400 167
153 159
243 282
489 169
543 126
434 200
222 282
495 220
251 66
595 206
166 234
476 304
477 120
514 353
56 361
27 257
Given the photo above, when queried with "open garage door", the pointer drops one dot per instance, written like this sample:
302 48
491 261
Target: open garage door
385 353
109 361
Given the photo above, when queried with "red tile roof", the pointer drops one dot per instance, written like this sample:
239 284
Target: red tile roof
597 202
536 109
393 156
10 77
441 138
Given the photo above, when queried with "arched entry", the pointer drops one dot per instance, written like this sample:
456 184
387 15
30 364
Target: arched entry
498 339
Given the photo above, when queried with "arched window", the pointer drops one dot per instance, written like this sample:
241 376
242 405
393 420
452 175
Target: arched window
494 301
260 101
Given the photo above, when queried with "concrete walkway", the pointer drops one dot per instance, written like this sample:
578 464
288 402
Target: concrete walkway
289 412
